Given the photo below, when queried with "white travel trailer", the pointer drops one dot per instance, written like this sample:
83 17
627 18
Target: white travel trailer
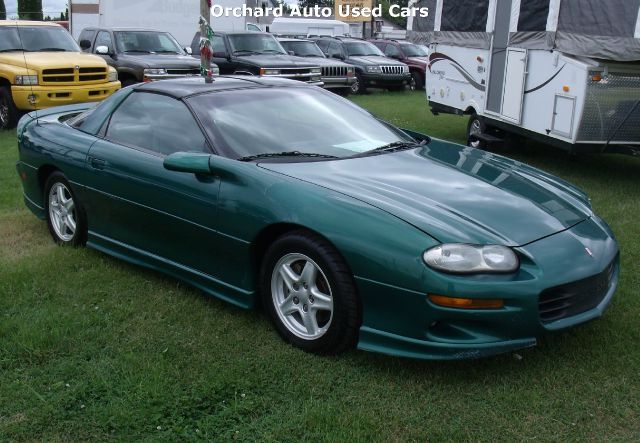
306 27
565 72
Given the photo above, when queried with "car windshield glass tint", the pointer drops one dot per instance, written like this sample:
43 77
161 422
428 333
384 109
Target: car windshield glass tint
147 42
36 38
303 49
362 48
304 120
414 51
260 43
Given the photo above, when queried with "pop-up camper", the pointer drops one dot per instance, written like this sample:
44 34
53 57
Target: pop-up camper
566 72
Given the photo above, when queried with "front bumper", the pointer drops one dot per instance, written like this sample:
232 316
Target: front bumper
405 323
49 96
386 80
338 82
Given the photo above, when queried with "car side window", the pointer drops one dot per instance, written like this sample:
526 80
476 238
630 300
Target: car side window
322 44
392 51
217 45
334 49
103 39
88 36
156 123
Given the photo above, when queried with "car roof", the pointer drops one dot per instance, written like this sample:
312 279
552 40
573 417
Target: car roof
289 39
185 87
120 28
26 23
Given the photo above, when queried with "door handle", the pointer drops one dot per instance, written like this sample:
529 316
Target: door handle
97 163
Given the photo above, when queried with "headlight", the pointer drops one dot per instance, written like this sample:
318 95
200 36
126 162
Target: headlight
26 80
373 69
264 71
155 71
316 71
469 259
405 69
112 76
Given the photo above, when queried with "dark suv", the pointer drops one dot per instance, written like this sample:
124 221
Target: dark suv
258 53
373 69
140 55
416 57
336 75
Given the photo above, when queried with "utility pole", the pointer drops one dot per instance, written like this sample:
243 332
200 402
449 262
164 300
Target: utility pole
206 51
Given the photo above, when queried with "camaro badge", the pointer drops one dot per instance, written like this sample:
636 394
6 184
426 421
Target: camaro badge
589 251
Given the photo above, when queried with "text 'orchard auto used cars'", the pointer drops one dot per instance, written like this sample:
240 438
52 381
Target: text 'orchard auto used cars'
351 231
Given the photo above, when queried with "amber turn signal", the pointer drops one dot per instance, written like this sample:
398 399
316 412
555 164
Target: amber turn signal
596 78
466 303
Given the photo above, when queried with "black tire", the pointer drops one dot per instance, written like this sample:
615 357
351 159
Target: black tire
358 86
343 92
417 81
128 81
476 126
79 235
341 330
8 111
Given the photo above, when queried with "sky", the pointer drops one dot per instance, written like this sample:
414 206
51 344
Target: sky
49 7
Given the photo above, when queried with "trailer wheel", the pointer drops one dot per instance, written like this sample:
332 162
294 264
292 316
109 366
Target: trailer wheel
476 127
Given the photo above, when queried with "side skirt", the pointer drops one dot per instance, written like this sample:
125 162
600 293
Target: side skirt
206 283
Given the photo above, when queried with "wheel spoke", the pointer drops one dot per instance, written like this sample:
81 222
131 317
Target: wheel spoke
287 307
288 276
321 302
71 223
309 273
69 205
61 224
60 192
310 322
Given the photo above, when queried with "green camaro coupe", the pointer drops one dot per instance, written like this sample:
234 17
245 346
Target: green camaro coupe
347 230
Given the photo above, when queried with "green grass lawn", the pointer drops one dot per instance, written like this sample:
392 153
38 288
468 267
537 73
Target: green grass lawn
94 349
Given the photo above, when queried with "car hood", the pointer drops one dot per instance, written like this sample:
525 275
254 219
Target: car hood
161 61
454 193
374 60
48 60
423 60
278 61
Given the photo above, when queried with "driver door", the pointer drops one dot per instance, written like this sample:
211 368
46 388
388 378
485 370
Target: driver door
138 205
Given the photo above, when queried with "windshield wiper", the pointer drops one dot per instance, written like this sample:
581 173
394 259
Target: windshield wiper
284 154
167 51
12 50
138 50
271 51
392 147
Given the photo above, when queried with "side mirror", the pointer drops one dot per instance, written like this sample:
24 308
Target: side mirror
85 44
188 50
188 162
338 56
291 53
103 50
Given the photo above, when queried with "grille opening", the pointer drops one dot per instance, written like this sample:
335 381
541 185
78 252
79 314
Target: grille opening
57 71
577 297
91 70
334 71
87 78
392 69
94 93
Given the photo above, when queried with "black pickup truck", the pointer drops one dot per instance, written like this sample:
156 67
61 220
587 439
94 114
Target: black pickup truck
140 55
258 53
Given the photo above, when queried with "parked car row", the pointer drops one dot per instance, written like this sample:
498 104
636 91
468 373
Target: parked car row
341 64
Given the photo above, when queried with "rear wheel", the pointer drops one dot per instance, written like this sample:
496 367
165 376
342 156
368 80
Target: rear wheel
475 128
310 295
8 111
65 215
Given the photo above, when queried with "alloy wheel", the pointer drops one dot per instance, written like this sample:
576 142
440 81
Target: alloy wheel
475 129
62 212
412 84
4 113
355 86
302 296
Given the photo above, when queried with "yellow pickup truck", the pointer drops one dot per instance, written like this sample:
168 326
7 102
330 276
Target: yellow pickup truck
42 66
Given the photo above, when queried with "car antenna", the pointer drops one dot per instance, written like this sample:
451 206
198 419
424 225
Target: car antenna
32 96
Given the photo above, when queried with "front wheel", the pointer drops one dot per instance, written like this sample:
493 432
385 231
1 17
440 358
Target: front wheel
8 111
358 86
65 216
416 82
310 295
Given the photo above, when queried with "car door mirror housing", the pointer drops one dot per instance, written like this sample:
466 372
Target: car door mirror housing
103 50
85 44
188 50
188 162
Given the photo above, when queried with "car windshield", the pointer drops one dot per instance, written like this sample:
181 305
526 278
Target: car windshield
303 48
411 50
255 43
362 48
300 120
36 38
147 42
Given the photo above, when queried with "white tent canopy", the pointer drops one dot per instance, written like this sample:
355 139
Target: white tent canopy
594 28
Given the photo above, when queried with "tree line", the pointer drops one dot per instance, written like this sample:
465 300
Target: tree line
31 10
